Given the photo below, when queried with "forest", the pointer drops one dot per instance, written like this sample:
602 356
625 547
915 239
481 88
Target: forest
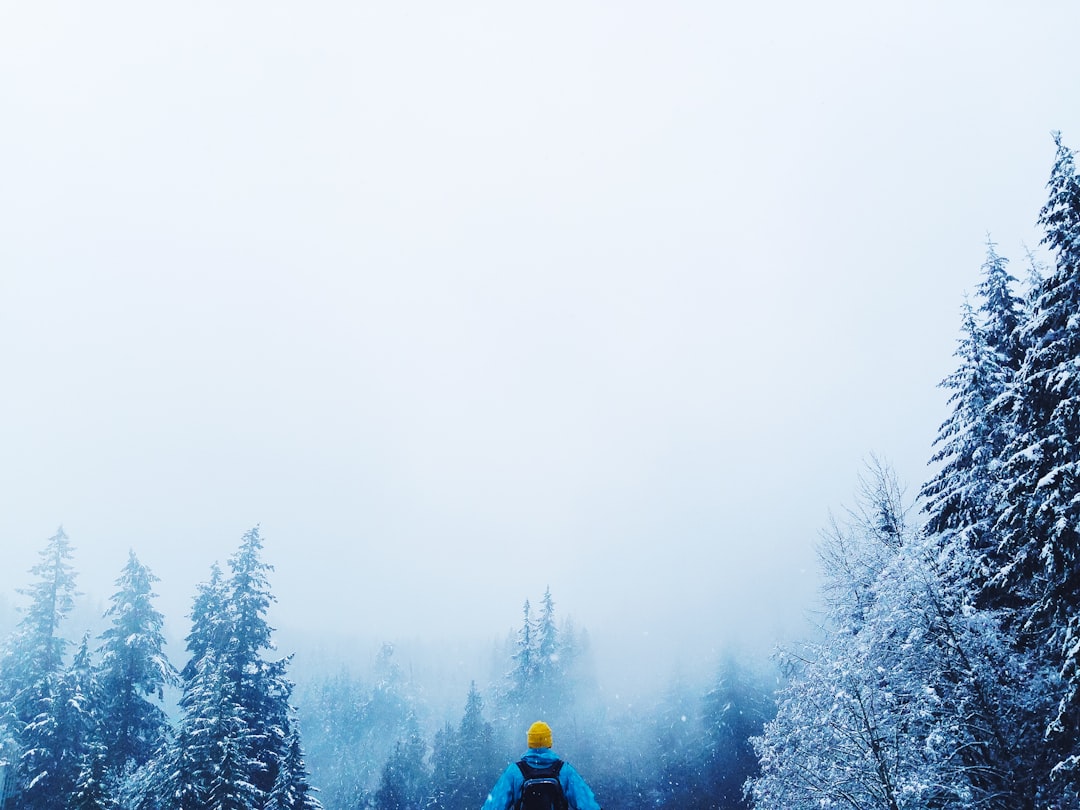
942 671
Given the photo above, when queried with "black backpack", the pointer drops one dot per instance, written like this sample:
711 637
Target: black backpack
542 789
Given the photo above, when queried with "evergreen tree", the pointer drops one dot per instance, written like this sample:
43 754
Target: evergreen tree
678 750
262 688
1039 577
235 727
61 745
293 790
207 766
1002 310
134 670
962 500
94 789
35 652
210 630
548 682
523 675
464 762
736 709
547 640
958 497
405 780
31 668
476 740
335 739
446 767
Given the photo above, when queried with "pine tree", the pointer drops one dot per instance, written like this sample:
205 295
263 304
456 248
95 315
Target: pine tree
207 766
446 766
678 750
62 745
480 763
31 669
36 649
263 689
235 727
523 675
736 709
1002 310
962 500
134 670
293 790
1039 579
547 640
405 780
549 684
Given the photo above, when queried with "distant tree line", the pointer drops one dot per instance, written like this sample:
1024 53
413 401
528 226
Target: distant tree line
946 673
690 748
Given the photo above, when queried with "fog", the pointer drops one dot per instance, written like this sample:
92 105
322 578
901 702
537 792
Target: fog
462 301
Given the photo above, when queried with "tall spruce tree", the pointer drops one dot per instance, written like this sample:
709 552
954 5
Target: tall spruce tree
262 687
736 709
134 671
62 745
1039 577
477 740
962 500
523 675
293 789
463 760
405 781
234 733
32 665
1002 310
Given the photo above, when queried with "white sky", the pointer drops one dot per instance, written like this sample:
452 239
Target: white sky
461 300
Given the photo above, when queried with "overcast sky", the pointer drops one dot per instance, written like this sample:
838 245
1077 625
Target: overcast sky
460 300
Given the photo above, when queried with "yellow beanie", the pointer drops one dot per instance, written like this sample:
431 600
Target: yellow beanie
539 735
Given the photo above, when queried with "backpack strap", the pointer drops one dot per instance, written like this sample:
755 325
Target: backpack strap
529 772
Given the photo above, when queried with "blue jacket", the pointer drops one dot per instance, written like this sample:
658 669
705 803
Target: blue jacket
507 790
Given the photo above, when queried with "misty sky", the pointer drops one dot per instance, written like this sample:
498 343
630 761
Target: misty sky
461 300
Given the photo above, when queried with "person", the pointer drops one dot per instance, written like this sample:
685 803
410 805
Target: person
506 794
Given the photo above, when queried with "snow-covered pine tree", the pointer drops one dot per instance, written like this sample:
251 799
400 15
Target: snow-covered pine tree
293 789
62 744
962 500
1003 311
957 498
134 671
446 763
405 781
464 764
735 709
480 763
523 674
1039 577
226 738
206 765
547 640
32 663
179 777
549 687
262 687
35 650
235 726
677 749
